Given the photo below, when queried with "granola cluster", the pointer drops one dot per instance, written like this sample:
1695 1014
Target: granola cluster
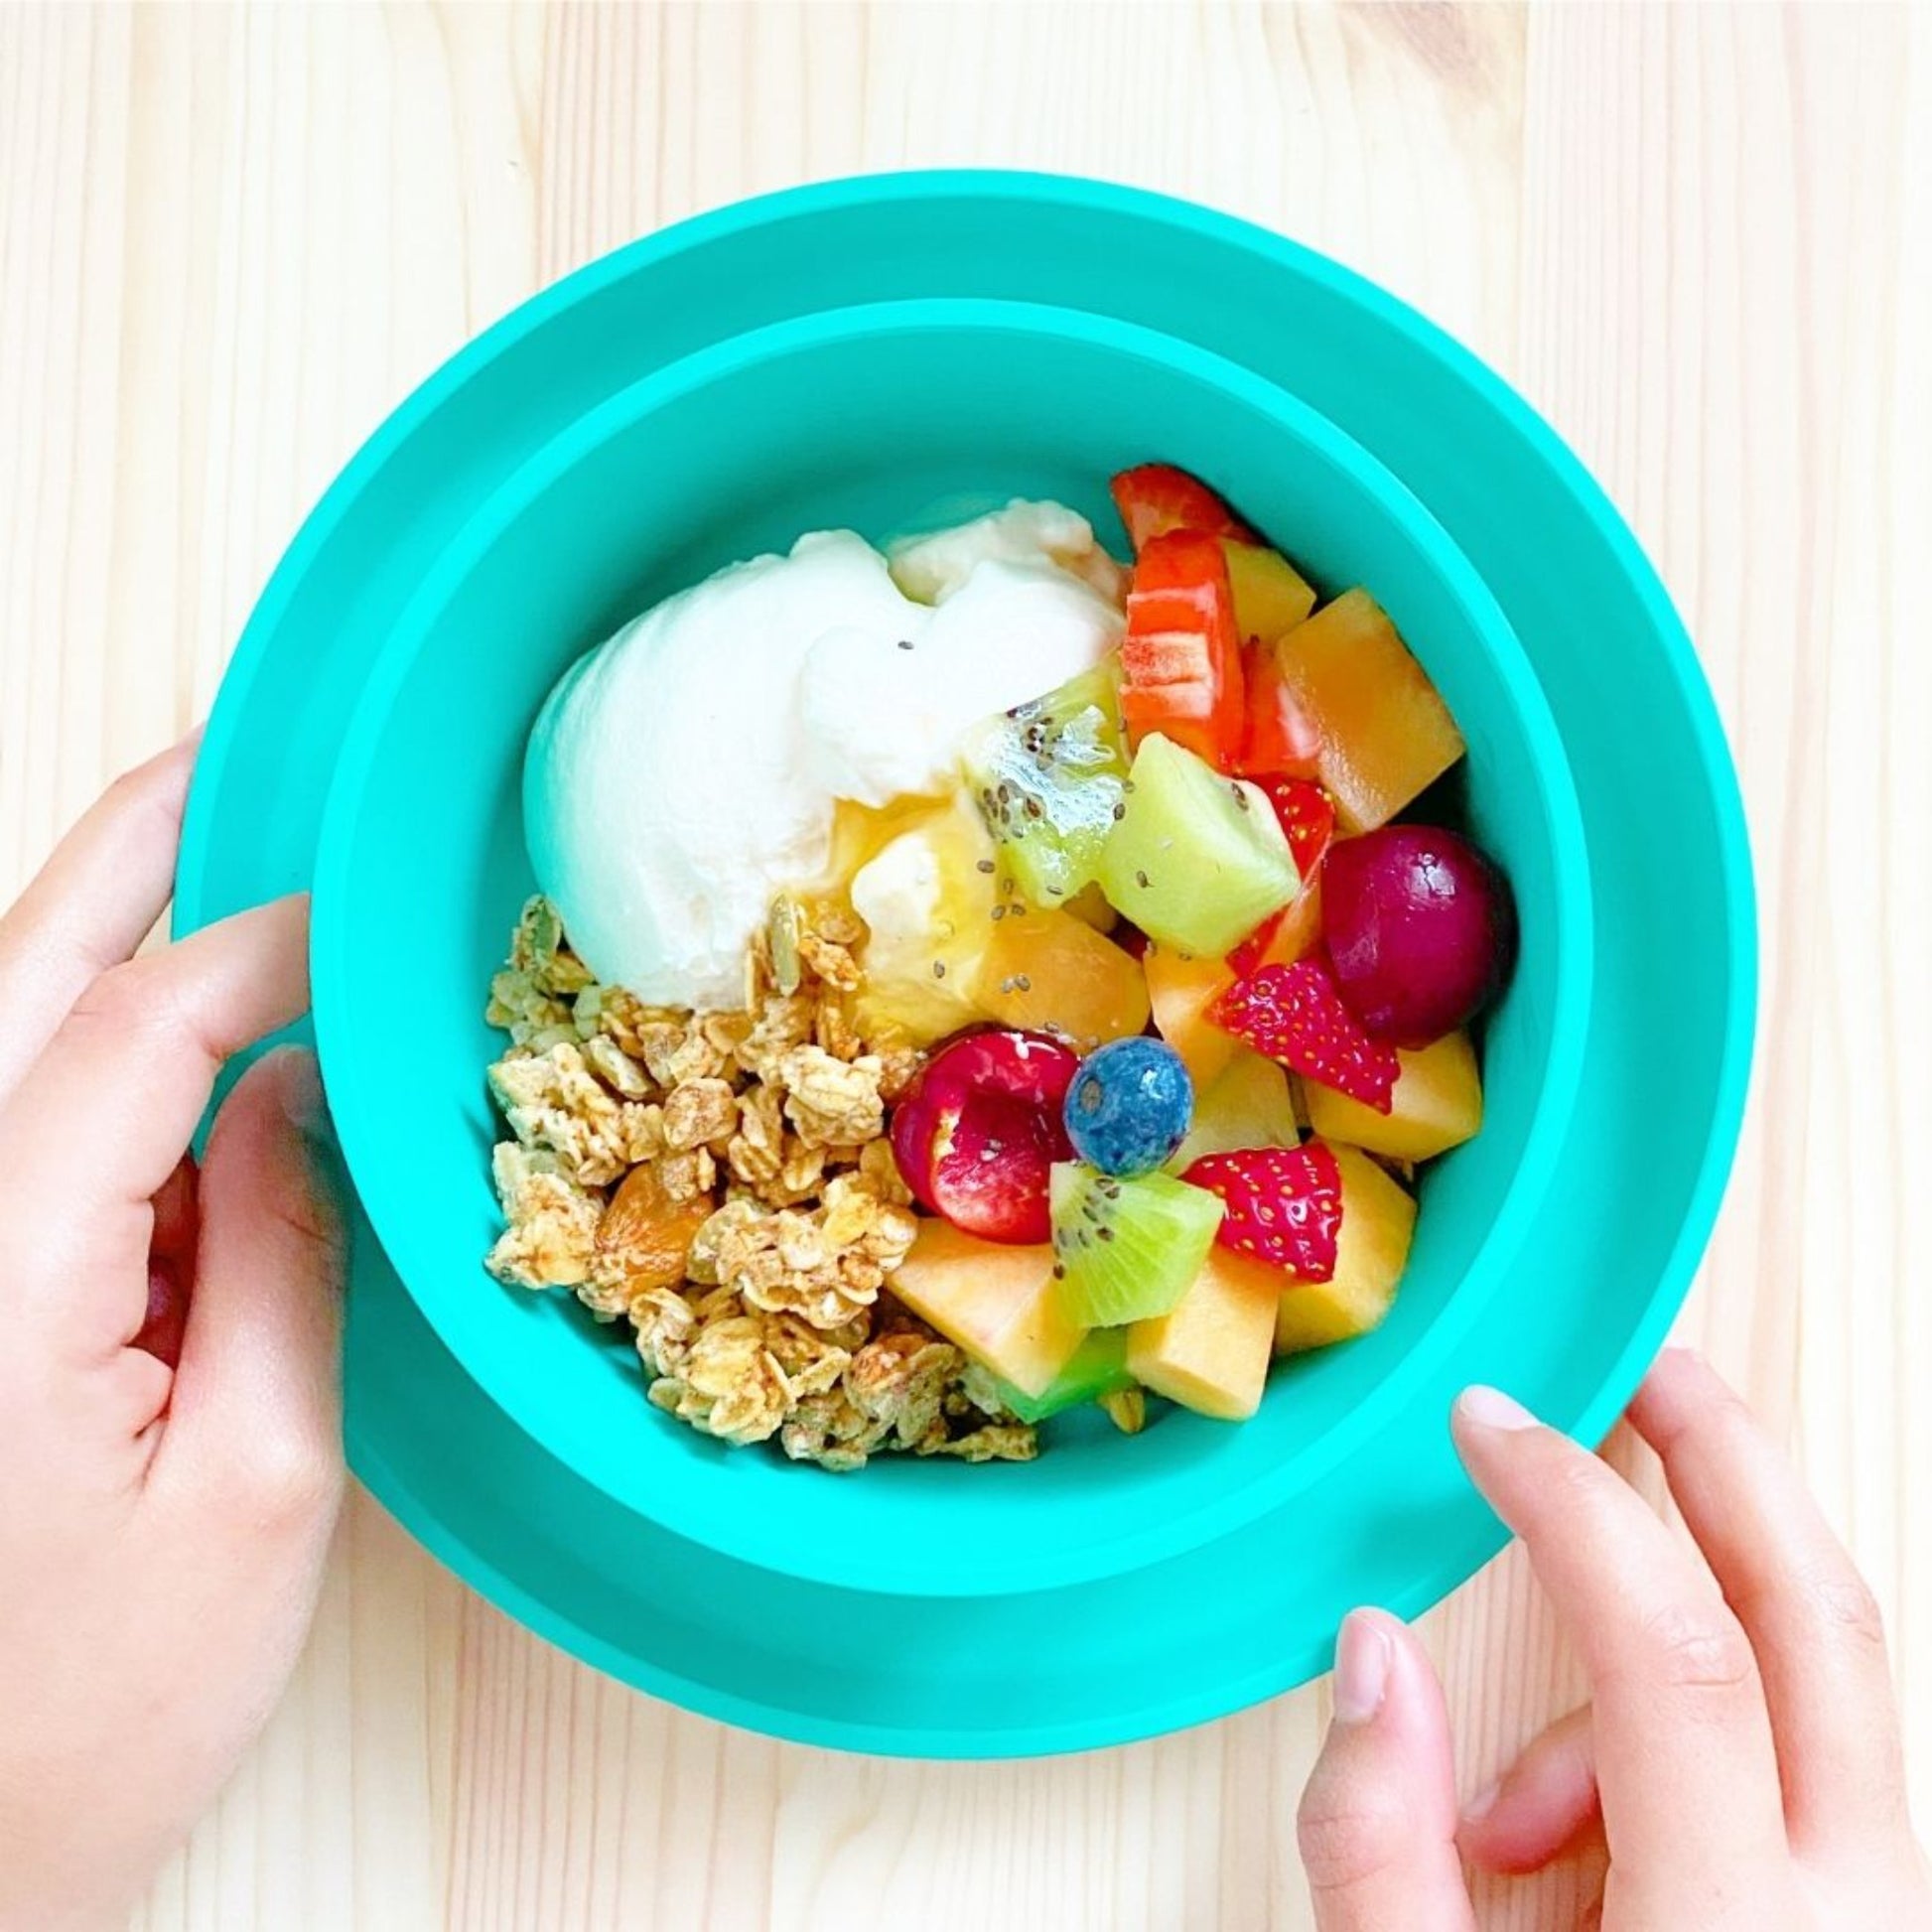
722 1181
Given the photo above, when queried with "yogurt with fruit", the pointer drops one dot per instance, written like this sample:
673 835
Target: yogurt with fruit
688 768
975 980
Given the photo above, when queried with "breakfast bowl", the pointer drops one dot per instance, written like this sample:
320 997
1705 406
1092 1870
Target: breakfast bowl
1666 1048
868 418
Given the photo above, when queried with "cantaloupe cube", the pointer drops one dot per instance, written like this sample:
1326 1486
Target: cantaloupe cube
995 1301
1181 988
1436 1104
1269 594
1378 1222
1212 1352
1386 733
1248 1105
1046 969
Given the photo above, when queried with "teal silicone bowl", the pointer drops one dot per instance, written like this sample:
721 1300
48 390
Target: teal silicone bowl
872 418
1612 1247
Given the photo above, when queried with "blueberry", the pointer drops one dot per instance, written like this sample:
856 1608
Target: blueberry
1129 1106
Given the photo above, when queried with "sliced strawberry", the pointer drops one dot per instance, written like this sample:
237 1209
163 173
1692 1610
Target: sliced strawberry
1295 1015
1308 816
1156 498
1283 1205
1283 937
1181 660
1278 734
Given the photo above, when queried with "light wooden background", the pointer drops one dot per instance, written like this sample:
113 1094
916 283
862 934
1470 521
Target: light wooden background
1701 240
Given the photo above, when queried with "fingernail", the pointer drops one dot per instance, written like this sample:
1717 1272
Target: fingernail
1488 1408
1364 1657
1483 1803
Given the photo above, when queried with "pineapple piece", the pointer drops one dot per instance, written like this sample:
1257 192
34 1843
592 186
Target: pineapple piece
927 897
1386 733
1047 970
1436 1104
1271 597
1180 989
995 1301
1248 1105
1378 1222
1210 1353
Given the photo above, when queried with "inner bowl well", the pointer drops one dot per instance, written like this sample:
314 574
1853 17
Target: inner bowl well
880 418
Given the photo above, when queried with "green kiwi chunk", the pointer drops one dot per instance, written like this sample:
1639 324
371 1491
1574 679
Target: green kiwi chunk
1196 860
1048 778
1127 1248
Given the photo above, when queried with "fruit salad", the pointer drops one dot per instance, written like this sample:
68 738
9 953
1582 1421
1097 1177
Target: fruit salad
1020 1049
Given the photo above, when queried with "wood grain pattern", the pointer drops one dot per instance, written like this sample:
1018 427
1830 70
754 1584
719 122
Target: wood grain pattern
1699 240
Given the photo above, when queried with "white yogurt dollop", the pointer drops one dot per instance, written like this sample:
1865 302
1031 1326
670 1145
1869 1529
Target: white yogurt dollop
687 769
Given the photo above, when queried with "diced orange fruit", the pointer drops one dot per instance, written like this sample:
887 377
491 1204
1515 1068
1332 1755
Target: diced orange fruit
991 1298
1043 968
1210 1353
1180 989
1091 904
1378 1222
1181 660
1247 1105
1386 734
1269 594
1283 937
1436 1104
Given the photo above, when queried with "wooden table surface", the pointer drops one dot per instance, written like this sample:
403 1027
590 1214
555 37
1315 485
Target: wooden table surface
1699 240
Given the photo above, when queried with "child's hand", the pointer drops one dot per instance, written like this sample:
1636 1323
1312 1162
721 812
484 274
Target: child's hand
162 1528
1741 1756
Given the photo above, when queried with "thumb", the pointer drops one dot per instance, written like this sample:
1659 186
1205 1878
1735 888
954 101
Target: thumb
1377 1824
257 1408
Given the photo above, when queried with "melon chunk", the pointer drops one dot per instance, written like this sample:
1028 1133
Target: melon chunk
1181 988
1269 594
994 1300
1096 1368
1436 1104
1378 1222
1248 1105
1044 969
1386 734
1210 1352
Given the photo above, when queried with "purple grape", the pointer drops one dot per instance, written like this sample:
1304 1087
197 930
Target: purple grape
1421 928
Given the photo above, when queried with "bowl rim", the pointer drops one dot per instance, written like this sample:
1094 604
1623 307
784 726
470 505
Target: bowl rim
689 1510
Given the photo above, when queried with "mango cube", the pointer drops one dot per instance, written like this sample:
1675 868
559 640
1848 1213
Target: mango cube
1378 1222
1271 595
1181 988
1046 969
1436 1104
1386 733
1210 1353
995 1301
1247 1105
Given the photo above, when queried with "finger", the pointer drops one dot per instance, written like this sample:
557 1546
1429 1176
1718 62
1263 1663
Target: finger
102 1120
1377 1823
1684 1754
94 901
1810 1619
256 1411
1540 1804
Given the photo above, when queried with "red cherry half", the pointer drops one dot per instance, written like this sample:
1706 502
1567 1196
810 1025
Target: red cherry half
976 1134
